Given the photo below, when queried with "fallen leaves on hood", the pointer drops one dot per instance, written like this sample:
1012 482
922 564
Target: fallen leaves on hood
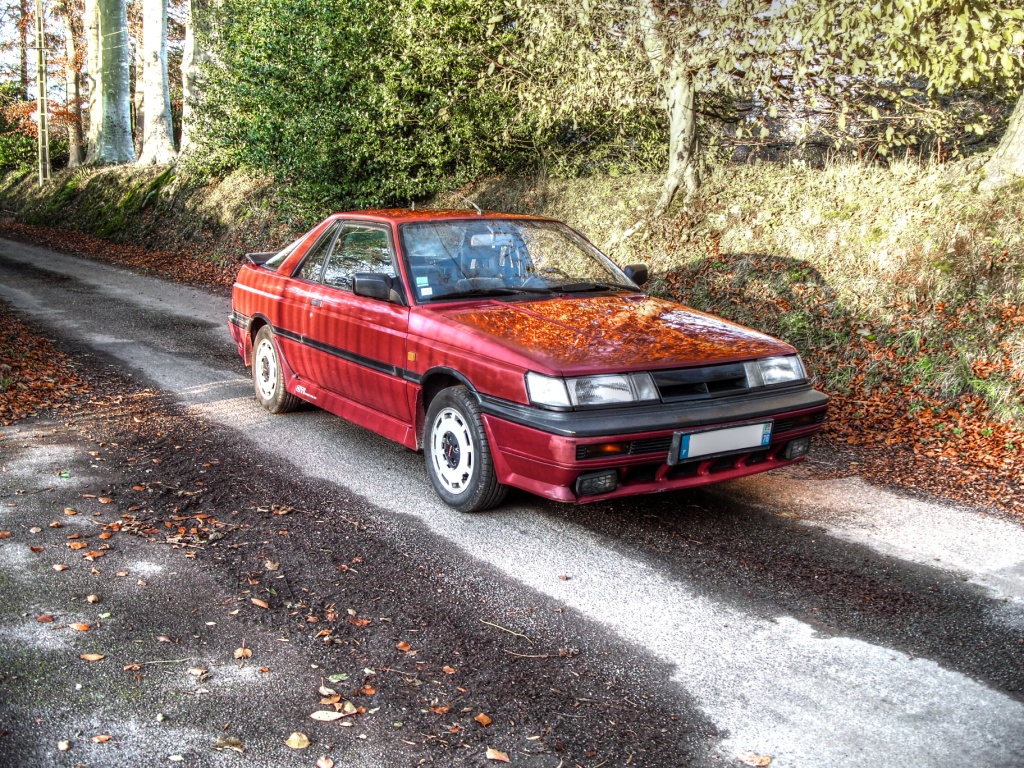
493 754
297 741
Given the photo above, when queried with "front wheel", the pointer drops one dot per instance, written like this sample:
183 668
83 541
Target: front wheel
457 454
267 376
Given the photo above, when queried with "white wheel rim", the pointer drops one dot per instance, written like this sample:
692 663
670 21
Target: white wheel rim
452 452
264 369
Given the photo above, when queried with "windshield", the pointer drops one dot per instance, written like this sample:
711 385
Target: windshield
495 257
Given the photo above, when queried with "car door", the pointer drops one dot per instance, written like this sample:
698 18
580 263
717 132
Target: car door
360 343
300 300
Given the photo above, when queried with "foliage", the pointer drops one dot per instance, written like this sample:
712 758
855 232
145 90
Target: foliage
375 102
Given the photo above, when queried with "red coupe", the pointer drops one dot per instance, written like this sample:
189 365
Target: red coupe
512 352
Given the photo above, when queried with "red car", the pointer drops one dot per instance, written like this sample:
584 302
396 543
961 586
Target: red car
513 353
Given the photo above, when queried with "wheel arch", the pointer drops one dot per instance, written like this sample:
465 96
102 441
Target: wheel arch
431 383
255 324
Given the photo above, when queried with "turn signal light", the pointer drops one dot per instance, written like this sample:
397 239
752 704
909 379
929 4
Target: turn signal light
597 450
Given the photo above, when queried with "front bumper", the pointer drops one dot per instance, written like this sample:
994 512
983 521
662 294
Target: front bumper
545 452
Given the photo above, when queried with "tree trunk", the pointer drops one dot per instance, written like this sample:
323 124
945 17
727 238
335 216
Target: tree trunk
72 75
157 133
110 128
23 41
683 170
192 57
1008 160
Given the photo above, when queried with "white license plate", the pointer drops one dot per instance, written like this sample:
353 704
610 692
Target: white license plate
726 440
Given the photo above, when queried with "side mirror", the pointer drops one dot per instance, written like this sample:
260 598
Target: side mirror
372 285
637 273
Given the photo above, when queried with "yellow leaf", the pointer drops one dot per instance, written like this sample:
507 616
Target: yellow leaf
326 716
297 741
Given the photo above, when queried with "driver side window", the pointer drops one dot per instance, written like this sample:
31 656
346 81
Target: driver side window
359 248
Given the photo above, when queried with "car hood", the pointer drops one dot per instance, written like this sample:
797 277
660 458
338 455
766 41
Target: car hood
581 334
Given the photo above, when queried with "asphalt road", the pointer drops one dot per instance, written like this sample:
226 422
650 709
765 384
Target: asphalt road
819 622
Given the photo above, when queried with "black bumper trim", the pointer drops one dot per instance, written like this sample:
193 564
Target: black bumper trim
654 418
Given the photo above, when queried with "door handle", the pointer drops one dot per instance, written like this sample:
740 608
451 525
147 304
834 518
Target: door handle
317 302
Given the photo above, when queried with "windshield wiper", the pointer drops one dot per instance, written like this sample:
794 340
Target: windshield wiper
587 285
482 292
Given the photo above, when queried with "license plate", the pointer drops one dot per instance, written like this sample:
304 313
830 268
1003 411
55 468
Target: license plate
718 441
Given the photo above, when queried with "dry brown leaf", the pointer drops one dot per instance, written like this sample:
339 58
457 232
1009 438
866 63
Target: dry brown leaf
483 719
297 741
403 646
103 738
5 534
324 762
332 699
37 550
92 598
44 618
752 758
105 500
55 524
449 670
106 535
69 511
325 691
493 754
93 656
64 746
440 710
359 622
80 626
197 671
60 567
93 554
259 603
121 573
229 742
243 652
164 639
78 544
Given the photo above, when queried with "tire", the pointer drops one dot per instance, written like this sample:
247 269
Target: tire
267 376
457 454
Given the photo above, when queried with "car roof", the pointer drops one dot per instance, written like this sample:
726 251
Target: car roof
400 215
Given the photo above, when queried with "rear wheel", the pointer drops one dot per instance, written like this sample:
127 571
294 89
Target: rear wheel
457 454
267 376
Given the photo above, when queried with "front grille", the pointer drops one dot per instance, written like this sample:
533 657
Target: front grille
636 448
784 425
700 383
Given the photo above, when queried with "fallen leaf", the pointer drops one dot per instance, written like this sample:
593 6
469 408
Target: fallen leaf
35 529
324 762
270 565
80 626
483 719
55 524
229 742
4 534
449 670
259 603
78 544
103 738
326 716
93 554
368 690
403 646
37 550
44 618
325 691
332 699
93 656
243 652
752 758
63 746
297 741
440 710
92 599
339 677
359 622
163 639
69 511
106 535
197 671
493 754
105 500
121 573
60 567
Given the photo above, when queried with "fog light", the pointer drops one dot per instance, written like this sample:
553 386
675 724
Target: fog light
797 448
595 483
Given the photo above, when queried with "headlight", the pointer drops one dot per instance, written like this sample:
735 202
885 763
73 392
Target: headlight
774 370
608 389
